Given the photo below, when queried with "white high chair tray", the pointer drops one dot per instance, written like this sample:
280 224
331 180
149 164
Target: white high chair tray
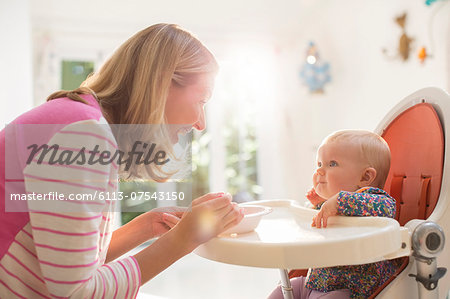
285 239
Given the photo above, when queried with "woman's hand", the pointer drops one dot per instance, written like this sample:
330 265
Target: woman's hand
314 198
208 216
160 220
329 208
146 226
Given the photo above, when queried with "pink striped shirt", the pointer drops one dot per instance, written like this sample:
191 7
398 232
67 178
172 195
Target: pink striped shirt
58 249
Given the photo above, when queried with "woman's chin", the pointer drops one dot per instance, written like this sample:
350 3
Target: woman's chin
174 138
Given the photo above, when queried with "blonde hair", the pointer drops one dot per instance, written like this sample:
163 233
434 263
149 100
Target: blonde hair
133 84
373 148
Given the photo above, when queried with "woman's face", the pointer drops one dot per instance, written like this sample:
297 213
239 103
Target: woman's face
185 106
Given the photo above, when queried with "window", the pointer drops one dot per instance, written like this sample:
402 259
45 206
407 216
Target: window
224 156
73 73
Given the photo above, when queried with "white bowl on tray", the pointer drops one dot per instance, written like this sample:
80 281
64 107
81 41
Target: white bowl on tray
252 217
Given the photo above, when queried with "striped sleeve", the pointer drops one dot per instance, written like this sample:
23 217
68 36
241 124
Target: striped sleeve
71 235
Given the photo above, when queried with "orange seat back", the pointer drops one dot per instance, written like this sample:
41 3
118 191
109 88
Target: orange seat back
416 140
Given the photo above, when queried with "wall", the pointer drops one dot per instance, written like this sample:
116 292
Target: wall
350 35
15 59
365 83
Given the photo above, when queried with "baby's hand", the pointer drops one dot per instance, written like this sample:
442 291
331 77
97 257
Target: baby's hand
314 198
329 208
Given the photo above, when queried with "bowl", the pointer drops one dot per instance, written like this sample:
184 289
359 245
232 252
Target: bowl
252 217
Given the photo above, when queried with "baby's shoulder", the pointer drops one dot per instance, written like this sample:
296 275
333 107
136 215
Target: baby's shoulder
373 190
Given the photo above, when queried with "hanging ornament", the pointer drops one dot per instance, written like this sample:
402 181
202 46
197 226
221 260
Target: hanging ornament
425 53
429 2
422 54
404 42
314 72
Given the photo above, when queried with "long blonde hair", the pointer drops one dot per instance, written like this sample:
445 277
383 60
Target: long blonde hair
133 84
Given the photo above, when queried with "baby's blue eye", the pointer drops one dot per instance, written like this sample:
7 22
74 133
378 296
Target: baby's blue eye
333 164
319 164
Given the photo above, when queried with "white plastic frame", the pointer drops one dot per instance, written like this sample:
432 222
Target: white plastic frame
404 286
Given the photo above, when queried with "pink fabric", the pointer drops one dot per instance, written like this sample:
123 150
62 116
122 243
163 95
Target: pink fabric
47 253
59 111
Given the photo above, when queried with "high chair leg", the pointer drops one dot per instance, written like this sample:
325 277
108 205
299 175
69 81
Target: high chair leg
428 240
286 287
427 277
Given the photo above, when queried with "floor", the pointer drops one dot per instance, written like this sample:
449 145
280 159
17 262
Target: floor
194 277
197 278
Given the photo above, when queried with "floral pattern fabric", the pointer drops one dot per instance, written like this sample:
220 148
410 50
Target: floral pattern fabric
361 280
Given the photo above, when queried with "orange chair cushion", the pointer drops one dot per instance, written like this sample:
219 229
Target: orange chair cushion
298 272
416 141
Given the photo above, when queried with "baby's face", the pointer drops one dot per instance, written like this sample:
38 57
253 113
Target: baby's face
340 167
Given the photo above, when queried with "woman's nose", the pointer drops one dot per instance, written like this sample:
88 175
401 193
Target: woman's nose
200 125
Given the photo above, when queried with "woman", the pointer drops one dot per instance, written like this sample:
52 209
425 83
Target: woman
162 75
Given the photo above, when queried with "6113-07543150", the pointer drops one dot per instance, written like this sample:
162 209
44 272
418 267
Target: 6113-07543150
100 195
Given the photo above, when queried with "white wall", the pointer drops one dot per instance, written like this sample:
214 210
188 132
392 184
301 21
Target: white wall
15 59
350 35
365 83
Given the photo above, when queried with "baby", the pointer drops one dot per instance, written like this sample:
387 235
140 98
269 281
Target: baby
352 167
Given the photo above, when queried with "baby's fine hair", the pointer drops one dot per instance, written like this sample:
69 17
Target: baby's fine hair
374 150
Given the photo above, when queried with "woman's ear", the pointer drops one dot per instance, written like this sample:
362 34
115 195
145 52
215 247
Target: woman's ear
368 176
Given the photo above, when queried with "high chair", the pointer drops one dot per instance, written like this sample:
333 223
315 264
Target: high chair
416 131
419 180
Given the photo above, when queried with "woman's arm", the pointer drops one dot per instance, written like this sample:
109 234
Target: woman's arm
127 237
208 216
70 236
142 228
161 254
